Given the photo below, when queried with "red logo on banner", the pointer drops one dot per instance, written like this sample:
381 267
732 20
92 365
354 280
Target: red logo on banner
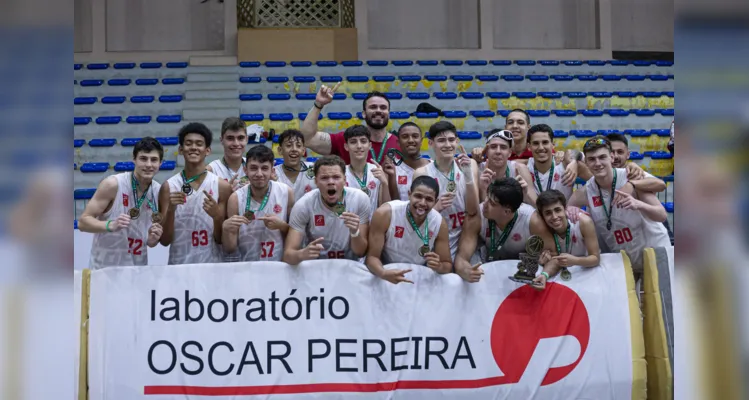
526 317
372 185
403 180
277 209
399 231
124 200
597 201
319 220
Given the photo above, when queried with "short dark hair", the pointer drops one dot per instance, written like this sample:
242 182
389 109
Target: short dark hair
549 197
595 143
330 160
441 127
507 192
617 137
261 154
148 144
232 124
407 124
371 94
356 131
527 117
428 181
195 127
289 134
541 128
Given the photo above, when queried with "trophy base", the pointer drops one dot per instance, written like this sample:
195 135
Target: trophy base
522 279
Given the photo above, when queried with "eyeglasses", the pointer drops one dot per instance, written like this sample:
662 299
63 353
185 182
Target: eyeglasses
596 142
503 134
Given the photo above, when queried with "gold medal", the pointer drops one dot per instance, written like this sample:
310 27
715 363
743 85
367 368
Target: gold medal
366 190
244 180
423 250
339 208
250 215
156 218
310 173
134 213
451 186
187 189
565 274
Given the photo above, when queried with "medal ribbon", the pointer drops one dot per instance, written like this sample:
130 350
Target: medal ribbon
302 167
363 181
193 179
391 154
566 241
223 161
538 179
505 232
382 149
139 201
608 211
452 171
342 202
425 237
249 199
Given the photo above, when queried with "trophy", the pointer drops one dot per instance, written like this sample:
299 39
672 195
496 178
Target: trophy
528 264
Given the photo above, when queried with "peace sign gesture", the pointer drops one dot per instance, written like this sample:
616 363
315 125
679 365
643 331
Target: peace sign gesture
325 94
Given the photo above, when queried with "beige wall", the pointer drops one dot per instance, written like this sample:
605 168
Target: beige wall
83 26
313 44
642 25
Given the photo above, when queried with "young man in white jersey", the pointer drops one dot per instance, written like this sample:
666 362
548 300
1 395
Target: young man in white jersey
333 219
230 167
258 212
626 217
575 243
123 214
370 178
497 165
500 231
545 171
409 232
295 171
405 161
194 202
458 197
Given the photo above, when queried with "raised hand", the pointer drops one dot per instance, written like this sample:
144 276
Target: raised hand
325 94
570 174
545 257
445 201
565 260
626 201
486 178
272 222
396 276
235 222
379 173
177 198
388 166
210 205
154 234
121 222
634 172
573 213
478 154
523 183
313 249
351 221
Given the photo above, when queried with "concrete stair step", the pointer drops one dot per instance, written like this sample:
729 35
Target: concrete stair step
210 113
213 77
209 104
225 94
228 85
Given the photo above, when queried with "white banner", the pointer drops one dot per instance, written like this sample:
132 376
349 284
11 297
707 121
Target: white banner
77 284
330 329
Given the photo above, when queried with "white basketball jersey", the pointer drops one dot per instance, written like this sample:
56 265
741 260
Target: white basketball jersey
223 171
373 184
302 185
515 243
577 244
255 241
455 215
312 217
501 174
127 246
404 176
193 241
401 241
556 182
630 230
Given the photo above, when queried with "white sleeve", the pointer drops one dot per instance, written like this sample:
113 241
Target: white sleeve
363 209
299 217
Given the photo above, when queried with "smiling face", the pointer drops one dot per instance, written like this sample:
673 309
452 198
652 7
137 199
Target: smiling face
497 152
518 125
555 216
194 148
330 181
377 113
409 139
445 144
619 154
357 147
258 172
234 143
542 146
147 164
421 200
292 150
599 162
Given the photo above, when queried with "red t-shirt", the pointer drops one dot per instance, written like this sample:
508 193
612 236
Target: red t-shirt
337 142
526 154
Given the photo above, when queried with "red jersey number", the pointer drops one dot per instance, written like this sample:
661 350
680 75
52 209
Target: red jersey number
134 246
623 235
266 249
337 254
199 238
457 219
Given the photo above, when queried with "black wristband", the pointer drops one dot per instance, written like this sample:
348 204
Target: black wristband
317 106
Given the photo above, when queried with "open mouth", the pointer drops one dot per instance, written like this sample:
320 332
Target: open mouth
331 192
420 211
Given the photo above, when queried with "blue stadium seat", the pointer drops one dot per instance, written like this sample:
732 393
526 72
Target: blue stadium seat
77 66
138 119
595 62
469 135
634 156
249 79
606 132
108 120
669 112
402 63
278 161
383 78
150 65
472 95
445 95
549 63
281 116
168 141
326 63
426 115
113 99
575 95
625 94
525 62
650 94
352 63
461 78
176 64
167 165
304 79
550 95
634 77
482 113
399 115
664 63
487 78
512 78
170 98
644 113
426 63
168 119
84 194
81 120
409 78
345 116
331 79
452 63
562 78
129 142
91 82
455 114
661 132
499 95
476 62
573 62
537 78
600 94
97 66
616 112
561 134
619 62
102 142
503 113
301 116
94 167
359 96
539 113
611 78
669 94
417 95
524 95
119 82
582 133
172 81
591 113
359 78
275 64
299 96
277 79
377 63
394 95
256 97
435 78
141 99
124 166
249 64
279 96
78 142
586 78
339 96
252 117
146 82
565 113
658 77
84 100
642 63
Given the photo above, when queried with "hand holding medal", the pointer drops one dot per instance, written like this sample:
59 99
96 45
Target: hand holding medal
154 234
121 222
234 223
432 259
351 221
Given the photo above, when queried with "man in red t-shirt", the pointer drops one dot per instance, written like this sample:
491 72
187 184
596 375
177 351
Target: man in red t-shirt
376 112
518 122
